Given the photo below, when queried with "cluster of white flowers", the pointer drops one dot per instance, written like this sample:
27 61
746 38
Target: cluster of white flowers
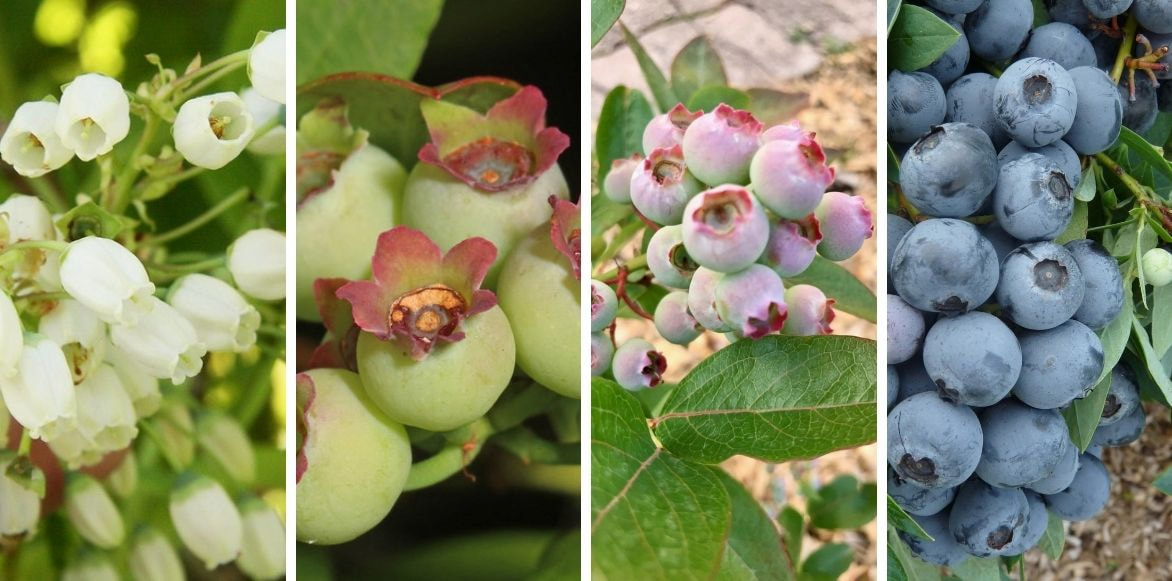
210 131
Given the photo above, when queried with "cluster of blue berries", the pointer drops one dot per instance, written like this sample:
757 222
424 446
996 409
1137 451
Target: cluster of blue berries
735 208
991 329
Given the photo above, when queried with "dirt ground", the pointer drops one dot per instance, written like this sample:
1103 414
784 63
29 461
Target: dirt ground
842 111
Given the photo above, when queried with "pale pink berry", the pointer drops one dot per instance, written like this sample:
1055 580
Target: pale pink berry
662 186
845 222
790 175
810 312
792 245
719 146
702 299
667 129
725 228
752 301
617 184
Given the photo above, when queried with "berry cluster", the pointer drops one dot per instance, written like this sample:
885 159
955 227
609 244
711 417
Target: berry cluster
991 329
735 208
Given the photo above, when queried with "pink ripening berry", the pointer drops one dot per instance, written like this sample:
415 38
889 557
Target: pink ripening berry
792 245
790 175
666 130
719 146
662 186
752 301
810 312
845 222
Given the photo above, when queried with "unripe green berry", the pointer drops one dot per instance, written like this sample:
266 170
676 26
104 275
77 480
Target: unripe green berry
1157 265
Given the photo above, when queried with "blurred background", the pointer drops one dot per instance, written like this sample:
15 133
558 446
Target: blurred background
822 56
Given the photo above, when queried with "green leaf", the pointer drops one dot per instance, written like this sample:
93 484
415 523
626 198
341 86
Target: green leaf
1086 187
905 566
792 526
845 503
892 165
902 521
1114 336
388 107
708 98
1083 415
603 15
753 545
653 516
918 38
1145 151
827 563
359 35
605 213
850 295
696 66
776 399
1077 229
892 13
1163 482
1155 367
1041 13
625 113
771 107
1162 320
665 97
1054 538
974 569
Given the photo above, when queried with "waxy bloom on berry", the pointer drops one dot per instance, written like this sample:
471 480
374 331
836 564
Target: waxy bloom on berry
20 508
617 184
666 130
725 228
105 277
637 365
206 520
94 115
418 294
262 553
266 65
257 263
509 146
222 319
212 130
792 245
40 396
790 175
810 312
30 144
752 301
163 342
662 186
11 337
92 512
153 557
720 145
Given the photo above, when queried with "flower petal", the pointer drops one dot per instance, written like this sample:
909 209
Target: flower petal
371 306
466 265
405 259
565 231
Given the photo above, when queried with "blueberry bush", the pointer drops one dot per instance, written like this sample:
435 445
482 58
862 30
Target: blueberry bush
710 215
1029 314
438 388
142 288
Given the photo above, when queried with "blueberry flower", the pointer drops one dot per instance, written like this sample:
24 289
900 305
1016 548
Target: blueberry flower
94 115
212 130
419 294
30 144
510 146
266 65
206 520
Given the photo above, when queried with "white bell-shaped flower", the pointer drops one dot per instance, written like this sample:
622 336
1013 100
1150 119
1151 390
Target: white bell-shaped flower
92 512
262 554
79 333
20 509
266 66
123 480
40 396
94 115
264 111
206 520
176 432
257 263
27 218
30 144
153 558
163 342
212 130
92 566
105 414
141 386
108 279
225 440
223 320
75 450
11 337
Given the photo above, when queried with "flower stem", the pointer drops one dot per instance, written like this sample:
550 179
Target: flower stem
453 458
124 184
1129 182
633 264
210 79
169 272
224 205
1129 29
57 245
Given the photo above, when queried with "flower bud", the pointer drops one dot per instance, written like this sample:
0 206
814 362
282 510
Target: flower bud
79 333
92 566
257 263
176 432
141 386
40 396
1157 265
105 414
225 440
20 509
11 337
92 512
212 130
222 319
30 144
153 558
264 111
206 520
94 115
108 279
123 480
262 552
27 218
163 342
266 66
